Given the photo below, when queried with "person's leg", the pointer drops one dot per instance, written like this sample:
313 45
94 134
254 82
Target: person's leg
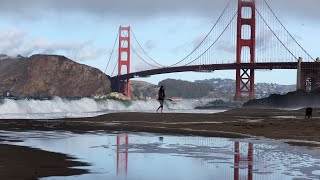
159 106
162 106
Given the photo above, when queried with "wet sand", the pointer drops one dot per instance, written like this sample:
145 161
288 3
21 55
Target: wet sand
18 162
237 123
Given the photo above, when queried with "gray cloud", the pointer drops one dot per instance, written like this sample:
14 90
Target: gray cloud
14 42
144 8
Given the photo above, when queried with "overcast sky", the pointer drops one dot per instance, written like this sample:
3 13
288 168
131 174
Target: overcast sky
85 30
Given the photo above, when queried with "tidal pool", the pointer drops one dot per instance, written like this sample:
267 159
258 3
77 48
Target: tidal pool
145 156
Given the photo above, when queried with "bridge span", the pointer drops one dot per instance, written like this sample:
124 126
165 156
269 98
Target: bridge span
210 67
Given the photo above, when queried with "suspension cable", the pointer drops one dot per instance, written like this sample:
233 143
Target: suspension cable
275 34
205 36
142 58
214 41
144 50
111 52
114 69
287 30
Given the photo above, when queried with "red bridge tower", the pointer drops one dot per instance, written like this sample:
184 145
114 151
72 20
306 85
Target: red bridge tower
124 59
245 77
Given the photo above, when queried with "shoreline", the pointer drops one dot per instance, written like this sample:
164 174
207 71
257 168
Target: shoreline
235 123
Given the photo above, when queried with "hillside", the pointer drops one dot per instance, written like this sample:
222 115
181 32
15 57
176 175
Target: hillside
143 90
185 89
50 75
211 88
226 88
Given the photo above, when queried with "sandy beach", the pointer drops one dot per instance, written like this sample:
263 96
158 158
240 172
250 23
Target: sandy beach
287 125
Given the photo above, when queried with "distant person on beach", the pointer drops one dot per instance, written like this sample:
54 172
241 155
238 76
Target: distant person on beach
308 113
161 97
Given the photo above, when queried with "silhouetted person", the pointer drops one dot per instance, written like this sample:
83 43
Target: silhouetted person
308 113
161 97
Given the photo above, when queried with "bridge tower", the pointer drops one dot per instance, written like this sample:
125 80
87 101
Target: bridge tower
244 76
124 59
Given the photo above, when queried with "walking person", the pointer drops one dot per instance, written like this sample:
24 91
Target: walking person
161 97
308 113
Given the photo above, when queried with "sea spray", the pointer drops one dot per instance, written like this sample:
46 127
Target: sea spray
86 105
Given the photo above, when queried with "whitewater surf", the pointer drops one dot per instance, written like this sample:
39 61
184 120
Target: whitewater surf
57 108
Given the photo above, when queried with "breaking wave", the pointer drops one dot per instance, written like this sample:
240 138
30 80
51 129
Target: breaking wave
85 107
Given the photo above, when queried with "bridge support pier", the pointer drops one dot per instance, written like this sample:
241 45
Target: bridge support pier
308 76
245 77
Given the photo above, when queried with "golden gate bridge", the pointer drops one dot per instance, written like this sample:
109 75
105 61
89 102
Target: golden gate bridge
247 36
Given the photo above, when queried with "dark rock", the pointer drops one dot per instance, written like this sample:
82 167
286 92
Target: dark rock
51 75
296 99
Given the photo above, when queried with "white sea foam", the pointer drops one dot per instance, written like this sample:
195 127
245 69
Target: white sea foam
87 107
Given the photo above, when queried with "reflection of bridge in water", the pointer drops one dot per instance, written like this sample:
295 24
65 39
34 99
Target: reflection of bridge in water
242 164
122 155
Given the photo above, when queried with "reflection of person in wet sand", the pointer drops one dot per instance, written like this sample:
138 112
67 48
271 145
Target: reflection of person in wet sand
308 113
161 97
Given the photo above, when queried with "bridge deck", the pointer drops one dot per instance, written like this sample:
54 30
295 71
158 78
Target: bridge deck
213 67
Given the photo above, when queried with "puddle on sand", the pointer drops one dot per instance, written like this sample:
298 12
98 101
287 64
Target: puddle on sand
143 156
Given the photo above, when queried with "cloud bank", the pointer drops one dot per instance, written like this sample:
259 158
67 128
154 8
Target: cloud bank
143 8
14 41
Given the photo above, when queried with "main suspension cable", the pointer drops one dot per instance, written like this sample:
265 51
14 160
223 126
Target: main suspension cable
214 41
205 36
287 30
275 34
112 52
144 50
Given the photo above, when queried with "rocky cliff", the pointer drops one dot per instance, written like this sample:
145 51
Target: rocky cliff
51 75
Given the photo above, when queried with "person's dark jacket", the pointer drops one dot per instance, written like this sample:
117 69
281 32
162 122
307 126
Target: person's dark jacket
161 95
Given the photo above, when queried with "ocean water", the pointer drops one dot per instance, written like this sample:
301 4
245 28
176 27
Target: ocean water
86 107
